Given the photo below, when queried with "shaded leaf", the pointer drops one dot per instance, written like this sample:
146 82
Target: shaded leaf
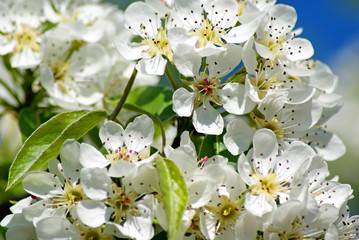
156 100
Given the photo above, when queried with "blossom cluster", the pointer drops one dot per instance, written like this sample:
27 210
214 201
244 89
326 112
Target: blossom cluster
246 77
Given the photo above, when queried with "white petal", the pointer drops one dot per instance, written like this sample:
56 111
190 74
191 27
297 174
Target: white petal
137 17
210 49
130 51
207 120
223 63
284 16
69 155
327 144
137 227
245 170
263 51
258 205
89 60
183 102
96 184
186 60
90 157
179 38
265 148
121 169
144 180
6 46
23 231
25 59
249 57
299 49
243 32
294 161
139 133
92 213
185 158
238 136
234 98
111 135
201 191
58 228
42 184
222 13
153 66
246 227
298 92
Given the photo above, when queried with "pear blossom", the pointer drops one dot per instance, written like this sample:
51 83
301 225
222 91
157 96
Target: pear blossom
127 149
18 226
59 191
73 78
267 76
287 224
207 88
145 20
208 33
288 122
21 32
124 206
276 40
345 227
268 175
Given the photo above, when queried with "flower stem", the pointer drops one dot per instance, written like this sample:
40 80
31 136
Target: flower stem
173 82
124 95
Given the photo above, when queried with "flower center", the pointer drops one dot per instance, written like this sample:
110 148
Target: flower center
25 37
207 33
72 194
124 154
205 88
227 211
94 234
267 185
123 203
264 79
292 234
158 44
273 43
273 125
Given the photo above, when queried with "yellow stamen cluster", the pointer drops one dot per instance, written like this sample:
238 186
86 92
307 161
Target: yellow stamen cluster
227 211
292 234
122 203
25 36
261 81
267 185
159 44
205 88
126 155
274 44
273 125
207 33
72 194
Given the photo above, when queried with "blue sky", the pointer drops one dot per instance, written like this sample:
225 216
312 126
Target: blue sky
330 25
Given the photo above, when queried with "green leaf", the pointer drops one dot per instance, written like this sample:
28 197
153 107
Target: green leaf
174 192
157 100
213 145
45 143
